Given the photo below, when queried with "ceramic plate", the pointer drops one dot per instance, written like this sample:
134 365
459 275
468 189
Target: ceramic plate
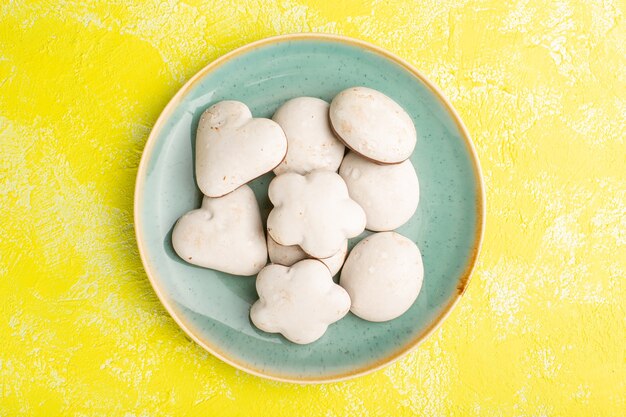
212 307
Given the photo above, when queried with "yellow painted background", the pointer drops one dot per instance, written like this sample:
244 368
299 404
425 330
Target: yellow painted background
541 86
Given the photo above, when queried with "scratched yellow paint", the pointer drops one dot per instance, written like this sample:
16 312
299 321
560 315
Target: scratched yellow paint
541 86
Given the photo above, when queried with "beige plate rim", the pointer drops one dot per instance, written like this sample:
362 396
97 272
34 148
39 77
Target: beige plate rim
188 328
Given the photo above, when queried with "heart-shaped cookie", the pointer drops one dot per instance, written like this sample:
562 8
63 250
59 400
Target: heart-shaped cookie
232 148
225 234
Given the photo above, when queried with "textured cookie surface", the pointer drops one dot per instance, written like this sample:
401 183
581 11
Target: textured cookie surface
383 275
373 125
233 148
298 301
225 234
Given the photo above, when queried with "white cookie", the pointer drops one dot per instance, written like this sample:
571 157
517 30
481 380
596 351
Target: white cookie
383 275
298 301
312 143
373 125
388 193
289 255
313 211
225 234
232 148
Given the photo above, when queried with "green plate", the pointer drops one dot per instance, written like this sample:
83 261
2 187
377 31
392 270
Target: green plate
212 307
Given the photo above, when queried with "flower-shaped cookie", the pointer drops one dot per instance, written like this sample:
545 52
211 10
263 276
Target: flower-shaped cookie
313 211
298 301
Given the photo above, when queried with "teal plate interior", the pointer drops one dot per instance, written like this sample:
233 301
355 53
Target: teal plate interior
212 307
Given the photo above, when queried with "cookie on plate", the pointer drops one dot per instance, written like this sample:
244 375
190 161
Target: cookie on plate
373 125
383 275
233 148
289 255
300 301
312 143
389 194
313 211
225 234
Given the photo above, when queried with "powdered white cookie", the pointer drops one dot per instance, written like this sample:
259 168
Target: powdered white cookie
225 234
232 148
383 275
312 143
373 125
298 301
313 211
388 193
289 255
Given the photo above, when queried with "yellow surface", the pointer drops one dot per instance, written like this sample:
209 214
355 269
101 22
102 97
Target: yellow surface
541 330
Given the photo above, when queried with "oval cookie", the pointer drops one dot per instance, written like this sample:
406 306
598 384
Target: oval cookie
388 194
383 275
289 255
373 125
311 142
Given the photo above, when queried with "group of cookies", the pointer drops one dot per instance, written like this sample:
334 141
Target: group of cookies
322 196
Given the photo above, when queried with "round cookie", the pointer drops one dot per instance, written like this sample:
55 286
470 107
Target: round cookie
289 255
311 142
225 234
300 301
383 275
373 125
388 194
233 148
313 211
